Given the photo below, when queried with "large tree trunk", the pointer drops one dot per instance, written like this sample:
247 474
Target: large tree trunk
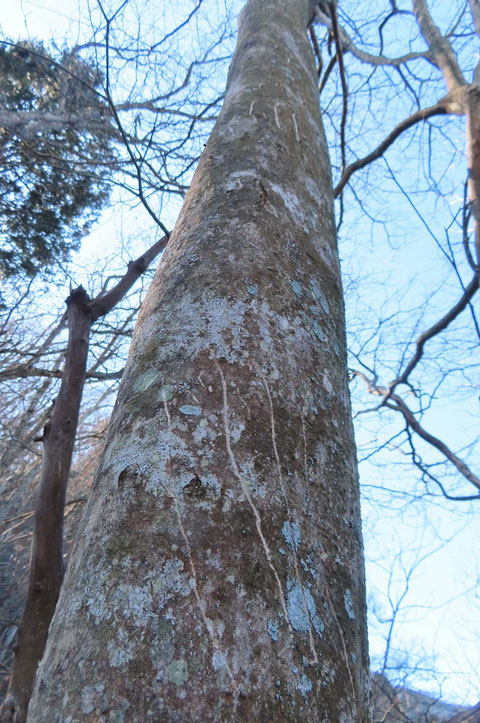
219 575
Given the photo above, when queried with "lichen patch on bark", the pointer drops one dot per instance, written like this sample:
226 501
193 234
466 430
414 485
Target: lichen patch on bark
220 561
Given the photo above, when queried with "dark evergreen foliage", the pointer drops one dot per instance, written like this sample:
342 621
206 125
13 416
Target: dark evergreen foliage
51 189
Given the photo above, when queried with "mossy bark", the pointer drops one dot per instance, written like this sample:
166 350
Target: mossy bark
219 575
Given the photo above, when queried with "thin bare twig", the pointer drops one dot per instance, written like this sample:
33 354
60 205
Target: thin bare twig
440 108
435 329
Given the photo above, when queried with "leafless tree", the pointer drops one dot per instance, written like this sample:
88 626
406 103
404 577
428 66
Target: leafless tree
413 352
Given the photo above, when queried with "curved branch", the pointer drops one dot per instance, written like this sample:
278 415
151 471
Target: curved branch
440 108
103 304
412 422
348 46
439 47
436 329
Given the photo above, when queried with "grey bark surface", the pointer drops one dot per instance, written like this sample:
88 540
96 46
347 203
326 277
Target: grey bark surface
219 573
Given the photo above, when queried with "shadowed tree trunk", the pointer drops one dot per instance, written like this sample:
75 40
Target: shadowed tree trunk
219 573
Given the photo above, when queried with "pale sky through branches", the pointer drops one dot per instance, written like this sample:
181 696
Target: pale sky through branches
423 553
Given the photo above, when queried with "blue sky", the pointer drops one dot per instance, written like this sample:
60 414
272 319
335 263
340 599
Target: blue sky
393 269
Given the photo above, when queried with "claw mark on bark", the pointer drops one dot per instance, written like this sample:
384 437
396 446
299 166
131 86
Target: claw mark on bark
246 492
201 605
276 115
290 519
305 457
342 638
296 128
165 405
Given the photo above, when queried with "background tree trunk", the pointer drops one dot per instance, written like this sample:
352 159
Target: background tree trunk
47 553
219 574
46 558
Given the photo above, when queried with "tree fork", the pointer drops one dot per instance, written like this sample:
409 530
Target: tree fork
219 572
46 562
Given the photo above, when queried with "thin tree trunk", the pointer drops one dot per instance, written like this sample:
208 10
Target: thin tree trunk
473 148
46 560
219 574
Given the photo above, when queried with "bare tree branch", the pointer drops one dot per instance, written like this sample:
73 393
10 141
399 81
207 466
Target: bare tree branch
103 304
47 563
348 46
439 48
27 372
440 108
435 329
472 715
475 12
400 406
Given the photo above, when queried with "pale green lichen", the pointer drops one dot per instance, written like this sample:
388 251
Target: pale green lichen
319 296
318 331
190 410
296 288
301 608
326 382
165 393
178 672
219 660
349 604
304 685
272 628
120 650
309 565
145 380
291 534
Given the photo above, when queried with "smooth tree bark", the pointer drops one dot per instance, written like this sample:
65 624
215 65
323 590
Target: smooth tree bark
219 572
47 554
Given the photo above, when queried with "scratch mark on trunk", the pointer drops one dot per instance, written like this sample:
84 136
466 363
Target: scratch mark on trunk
201 605
290 517
248 496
